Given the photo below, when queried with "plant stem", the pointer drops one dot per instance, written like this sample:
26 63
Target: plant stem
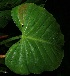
10 39
4 36
2 56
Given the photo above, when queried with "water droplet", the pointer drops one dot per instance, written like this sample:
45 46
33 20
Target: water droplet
53 38
5 72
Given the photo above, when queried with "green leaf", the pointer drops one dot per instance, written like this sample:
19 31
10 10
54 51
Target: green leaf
5 16
8 4
40 46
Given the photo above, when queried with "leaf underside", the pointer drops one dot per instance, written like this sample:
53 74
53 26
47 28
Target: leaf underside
40 47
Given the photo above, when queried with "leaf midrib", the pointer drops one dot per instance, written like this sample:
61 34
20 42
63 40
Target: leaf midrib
35 39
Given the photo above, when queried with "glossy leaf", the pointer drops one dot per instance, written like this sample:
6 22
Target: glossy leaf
40 46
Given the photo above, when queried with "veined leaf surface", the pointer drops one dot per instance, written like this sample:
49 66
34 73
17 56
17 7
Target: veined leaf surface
8 4
40 46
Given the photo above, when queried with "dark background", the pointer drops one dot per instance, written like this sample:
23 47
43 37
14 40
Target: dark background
60 10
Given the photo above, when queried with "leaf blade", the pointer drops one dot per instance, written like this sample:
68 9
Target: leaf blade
41 40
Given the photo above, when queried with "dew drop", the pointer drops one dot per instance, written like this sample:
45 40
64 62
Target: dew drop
53 38
5 72
26 27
